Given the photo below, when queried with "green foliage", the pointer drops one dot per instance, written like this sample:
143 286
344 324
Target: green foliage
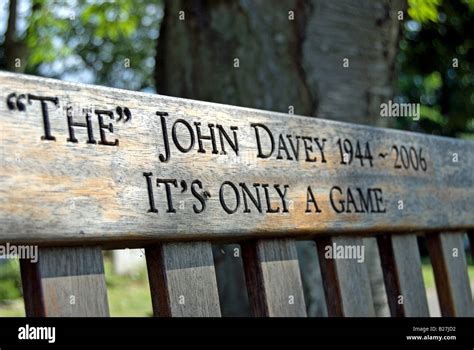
423 10
10 282
42 29
102 42
436 66
118 43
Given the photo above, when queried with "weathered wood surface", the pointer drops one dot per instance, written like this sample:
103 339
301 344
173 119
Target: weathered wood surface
55 189
183 280
451 276
65 282
403 277
273 278
346 281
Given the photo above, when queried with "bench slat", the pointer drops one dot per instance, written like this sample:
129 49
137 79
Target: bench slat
346 282
450 270
273 278
65 282
183 280
403 277
335 178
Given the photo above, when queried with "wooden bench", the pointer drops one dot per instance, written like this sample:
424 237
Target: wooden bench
87 168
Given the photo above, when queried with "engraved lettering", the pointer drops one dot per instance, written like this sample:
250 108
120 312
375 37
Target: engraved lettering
233 144
282 196
222 198
211 137
269 204
246 193
169 197
311 200
149 187
71 124
190 133
200 197
259 144
44 111
356 200
164 158
103 127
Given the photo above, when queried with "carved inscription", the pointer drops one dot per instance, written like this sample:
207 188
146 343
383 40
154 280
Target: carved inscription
100 164
72 122
179 135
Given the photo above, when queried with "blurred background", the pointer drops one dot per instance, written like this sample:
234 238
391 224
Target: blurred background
338 59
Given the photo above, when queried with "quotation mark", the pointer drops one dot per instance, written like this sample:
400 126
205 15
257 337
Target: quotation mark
124 114
16 102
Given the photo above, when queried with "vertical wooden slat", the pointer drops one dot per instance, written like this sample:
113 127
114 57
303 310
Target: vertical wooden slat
65 282
450 270
183 280
273 278
401 264
346 281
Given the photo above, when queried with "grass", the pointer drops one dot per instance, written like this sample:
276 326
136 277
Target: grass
428 275
128 295
12 308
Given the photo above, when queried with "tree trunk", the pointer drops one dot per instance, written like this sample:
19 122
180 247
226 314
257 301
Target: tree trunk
15 51
10 35
326 58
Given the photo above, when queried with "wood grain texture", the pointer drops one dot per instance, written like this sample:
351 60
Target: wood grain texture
450 271
273 278
183 280
63 192
403 277
346 281
65 282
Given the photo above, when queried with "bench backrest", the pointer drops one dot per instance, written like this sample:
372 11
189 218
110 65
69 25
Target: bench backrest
86 168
